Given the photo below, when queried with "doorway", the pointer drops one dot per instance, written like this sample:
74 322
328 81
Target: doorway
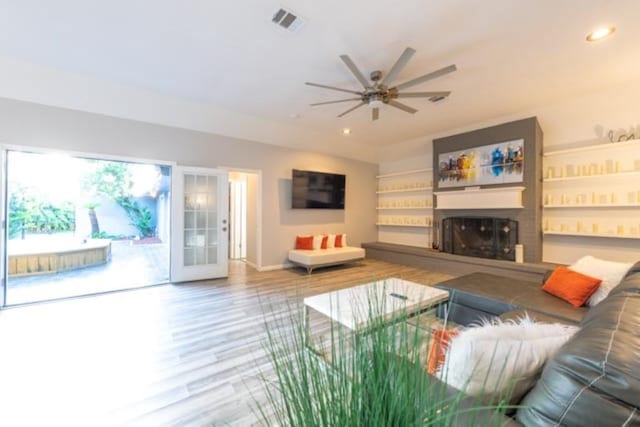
80 225
244 216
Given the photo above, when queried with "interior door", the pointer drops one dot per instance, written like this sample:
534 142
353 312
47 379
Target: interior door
200 224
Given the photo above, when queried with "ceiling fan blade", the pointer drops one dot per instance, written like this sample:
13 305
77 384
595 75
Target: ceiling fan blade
426 77
355 71
398 66
402 106
335 102
375 113
333 88
351 109
422 94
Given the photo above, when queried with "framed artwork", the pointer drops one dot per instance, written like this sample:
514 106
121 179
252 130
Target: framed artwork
499 163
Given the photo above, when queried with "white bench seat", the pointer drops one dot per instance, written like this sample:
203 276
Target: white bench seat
311 259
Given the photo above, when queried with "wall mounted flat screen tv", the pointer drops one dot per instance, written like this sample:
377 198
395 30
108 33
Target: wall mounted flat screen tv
317 190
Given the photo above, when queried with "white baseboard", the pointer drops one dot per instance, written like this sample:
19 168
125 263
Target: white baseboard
275 267
251 264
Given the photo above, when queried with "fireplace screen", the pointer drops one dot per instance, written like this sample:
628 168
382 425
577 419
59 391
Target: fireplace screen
494 238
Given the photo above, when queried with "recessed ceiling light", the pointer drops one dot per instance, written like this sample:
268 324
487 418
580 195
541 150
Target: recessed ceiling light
346 131
600 33
294 116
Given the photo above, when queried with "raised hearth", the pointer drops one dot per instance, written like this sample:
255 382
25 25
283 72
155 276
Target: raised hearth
455 265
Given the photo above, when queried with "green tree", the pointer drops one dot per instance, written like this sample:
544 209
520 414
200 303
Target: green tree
114 180
32 212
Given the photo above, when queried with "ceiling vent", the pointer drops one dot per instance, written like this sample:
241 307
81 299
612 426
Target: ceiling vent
287 20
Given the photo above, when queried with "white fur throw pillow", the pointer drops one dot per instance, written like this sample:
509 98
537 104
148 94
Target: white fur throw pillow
498 359
610 272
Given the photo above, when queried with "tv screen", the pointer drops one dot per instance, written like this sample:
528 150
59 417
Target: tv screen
317 190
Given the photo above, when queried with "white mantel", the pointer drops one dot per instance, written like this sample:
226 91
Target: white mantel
481 198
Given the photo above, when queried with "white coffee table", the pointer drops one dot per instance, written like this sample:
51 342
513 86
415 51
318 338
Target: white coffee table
350 306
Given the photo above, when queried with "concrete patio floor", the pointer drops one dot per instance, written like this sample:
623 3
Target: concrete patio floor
131 266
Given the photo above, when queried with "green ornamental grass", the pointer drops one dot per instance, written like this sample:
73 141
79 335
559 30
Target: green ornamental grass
374 378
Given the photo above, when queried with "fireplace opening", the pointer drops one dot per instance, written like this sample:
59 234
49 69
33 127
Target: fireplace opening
494 238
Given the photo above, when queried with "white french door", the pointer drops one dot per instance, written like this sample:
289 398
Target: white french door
200 223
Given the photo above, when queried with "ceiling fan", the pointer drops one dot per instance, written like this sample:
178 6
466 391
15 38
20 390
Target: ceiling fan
377 91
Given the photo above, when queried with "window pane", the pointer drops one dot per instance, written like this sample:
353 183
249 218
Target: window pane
200 256
190 219
201 183
201 219
188 257
190 201
201 238
212 202
189 238
213 182
189 183
212 255
211 220
213 237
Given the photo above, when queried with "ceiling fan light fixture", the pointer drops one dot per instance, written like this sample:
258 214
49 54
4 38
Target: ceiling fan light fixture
375 101
600 33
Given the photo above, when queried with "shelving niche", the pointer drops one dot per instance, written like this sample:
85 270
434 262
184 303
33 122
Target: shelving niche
593 191
405 207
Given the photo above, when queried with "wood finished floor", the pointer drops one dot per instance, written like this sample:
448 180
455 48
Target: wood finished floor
175 355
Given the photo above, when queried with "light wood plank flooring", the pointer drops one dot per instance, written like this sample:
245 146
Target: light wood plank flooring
183 354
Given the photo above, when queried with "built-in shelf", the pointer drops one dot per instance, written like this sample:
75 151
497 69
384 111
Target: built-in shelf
405 190
600 235
594 147
586 177
481 198
409 172
403 225
591 206
404 209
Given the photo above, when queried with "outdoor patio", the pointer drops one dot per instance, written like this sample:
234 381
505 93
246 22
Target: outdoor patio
131 266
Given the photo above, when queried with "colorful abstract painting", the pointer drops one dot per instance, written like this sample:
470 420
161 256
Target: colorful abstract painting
483 165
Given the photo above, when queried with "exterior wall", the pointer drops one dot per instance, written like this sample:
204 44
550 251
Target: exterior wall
32 125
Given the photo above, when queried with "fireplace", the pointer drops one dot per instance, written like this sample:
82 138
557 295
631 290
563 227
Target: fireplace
482 237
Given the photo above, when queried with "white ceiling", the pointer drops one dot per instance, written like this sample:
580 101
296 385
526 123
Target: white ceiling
511 56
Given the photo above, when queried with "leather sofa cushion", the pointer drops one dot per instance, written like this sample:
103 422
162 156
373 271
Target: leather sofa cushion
497 294
595 377
519 313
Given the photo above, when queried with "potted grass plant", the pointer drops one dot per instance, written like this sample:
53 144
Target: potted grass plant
375 378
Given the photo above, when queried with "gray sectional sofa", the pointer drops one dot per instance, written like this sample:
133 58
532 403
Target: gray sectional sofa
594 379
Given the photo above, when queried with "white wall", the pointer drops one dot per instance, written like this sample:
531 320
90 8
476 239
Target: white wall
28 124
584 119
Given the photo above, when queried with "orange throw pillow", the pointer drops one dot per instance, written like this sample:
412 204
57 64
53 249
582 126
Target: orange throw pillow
571 286
338 243
440 339
325 239
304 242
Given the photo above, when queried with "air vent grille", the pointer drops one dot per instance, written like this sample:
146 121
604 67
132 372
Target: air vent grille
287 20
